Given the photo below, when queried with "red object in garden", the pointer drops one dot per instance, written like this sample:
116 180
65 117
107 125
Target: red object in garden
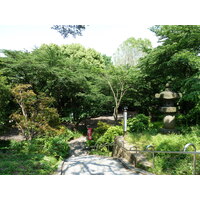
89 133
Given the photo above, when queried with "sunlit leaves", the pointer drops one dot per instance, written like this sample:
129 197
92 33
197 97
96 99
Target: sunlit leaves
130 51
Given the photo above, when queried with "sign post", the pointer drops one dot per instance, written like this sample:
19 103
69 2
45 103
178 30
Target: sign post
125 120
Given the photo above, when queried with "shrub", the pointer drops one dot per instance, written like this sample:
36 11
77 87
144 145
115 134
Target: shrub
40 155
139 123
104 138
102 127
56 146
35 115
169 163
110 135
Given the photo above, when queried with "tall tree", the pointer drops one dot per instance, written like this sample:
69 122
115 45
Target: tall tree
175 60
130 51
35 115
119 80
69 73
5 98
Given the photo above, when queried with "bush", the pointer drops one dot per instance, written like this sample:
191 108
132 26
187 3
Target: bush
57 146
107 138
39 156
68 133
110 135
52 146
35 115
139 123
102 127
105 134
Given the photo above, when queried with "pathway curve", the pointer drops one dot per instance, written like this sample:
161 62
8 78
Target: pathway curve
80 163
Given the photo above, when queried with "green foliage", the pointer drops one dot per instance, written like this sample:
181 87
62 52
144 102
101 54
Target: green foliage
102 127
192 97
35 116
139 123
105 139
68 73
5 98
38 156
119 79
84 83
56 146
24 164
169 163
175 60
70 134
130 51
110 135
103 135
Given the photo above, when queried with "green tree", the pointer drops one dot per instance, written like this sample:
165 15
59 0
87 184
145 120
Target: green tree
35 115
69 73
5 98
119 80
175 60
130 51
191 93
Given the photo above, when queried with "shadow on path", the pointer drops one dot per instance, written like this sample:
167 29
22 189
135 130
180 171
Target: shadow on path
94 165
80 163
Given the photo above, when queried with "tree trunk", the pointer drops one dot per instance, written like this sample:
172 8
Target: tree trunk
115 114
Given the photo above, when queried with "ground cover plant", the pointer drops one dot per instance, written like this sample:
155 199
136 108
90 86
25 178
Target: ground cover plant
39 156
171 164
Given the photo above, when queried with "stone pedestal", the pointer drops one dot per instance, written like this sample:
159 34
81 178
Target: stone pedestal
168 97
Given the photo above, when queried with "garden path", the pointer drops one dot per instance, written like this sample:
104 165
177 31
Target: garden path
80 163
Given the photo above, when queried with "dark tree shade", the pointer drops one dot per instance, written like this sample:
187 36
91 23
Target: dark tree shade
66 30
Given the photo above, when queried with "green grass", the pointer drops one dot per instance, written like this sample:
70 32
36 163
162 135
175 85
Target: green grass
39 156
174 164
22 164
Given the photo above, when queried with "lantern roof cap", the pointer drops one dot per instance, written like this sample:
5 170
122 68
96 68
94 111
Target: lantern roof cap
168 93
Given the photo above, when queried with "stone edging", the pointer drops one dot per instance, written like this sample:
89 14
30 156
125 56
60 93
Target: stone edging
121 151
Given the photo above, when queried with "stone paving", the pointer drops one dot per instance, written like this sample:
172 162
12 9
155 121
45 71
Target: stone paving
80 163
94 165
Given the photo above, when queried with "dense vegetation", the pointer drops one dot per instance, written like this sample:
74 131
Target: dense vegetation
39 156
54 84
147 133
102 139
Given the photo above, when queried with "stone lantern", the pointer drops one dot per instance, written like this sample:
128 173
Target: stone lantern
169 108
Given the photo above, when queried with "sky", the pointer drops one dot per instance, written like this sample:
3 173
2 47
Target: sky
103 38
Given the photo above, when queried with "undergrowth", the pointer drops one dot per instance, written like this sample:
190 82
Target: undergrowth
38 156
174 164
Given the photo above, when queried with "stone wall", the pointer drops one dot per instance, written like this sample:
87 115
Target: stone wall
122 149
